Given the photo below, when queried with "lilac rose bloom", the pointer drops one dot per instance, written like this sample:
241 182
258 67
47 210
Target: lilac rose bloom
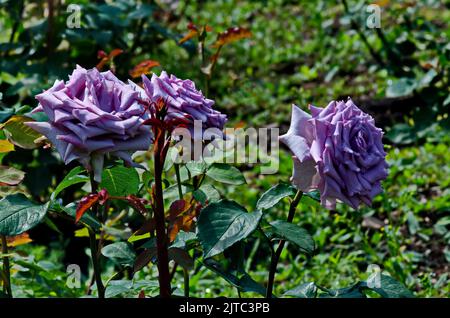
338 150
183 100
91 115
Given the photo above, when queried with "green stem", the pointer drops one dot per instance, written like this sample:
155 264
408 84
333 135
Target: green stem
94 247
96 264
186 282
276 255
177 173
6 267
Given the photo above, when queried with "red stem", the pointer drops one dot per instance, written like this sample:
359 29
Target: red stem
161 234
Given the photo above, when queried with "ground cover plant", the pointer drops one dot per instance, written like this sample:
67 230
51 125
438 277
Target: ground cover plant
224 148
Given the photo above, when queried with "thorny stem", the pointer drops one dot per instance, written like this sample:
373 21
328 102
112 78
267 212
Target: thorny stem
6 272
161 233
276 255
94 247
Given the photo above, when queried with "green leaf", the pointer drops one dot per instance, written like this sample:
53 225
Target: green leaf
196 168
274 195
402 87
401 134
427 78
120 181
172 191
73 177
18 214
10 176
388 287
117 287
120 252
184 239
223 223
243 282
225 173
71 209
205 193
307 290
315 195
294 234
354 291
20 134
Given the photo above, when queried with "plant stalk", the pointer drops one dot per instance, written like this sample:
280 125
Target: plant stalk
161 233
94 247
186 282
96 264
177 173
6 267
276 255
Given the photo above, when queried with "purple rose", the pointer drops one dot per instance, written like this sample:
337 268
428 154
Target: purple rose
183 100
338 150
91 115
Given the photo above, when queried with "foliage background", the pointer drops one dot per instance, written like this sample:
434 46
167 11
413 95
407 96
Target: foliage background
300 52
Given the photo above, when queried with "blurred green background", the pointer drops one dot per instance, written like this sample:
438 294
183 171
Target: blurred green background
299 52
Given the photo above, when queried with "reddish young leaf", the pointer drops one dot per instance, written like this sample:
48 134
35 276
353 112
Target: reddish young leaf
231 35
144 67
147 227
85 204
138 204
114 53
107 58
101 54
17 240
184 222
176 208
194 31
143 259
188 36
103 196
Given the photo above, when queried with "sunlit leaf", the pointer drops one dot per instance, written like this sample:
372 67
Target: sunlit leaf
188 36
6 146
143 68
19 134
10 176
20 239
232 35
183 222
